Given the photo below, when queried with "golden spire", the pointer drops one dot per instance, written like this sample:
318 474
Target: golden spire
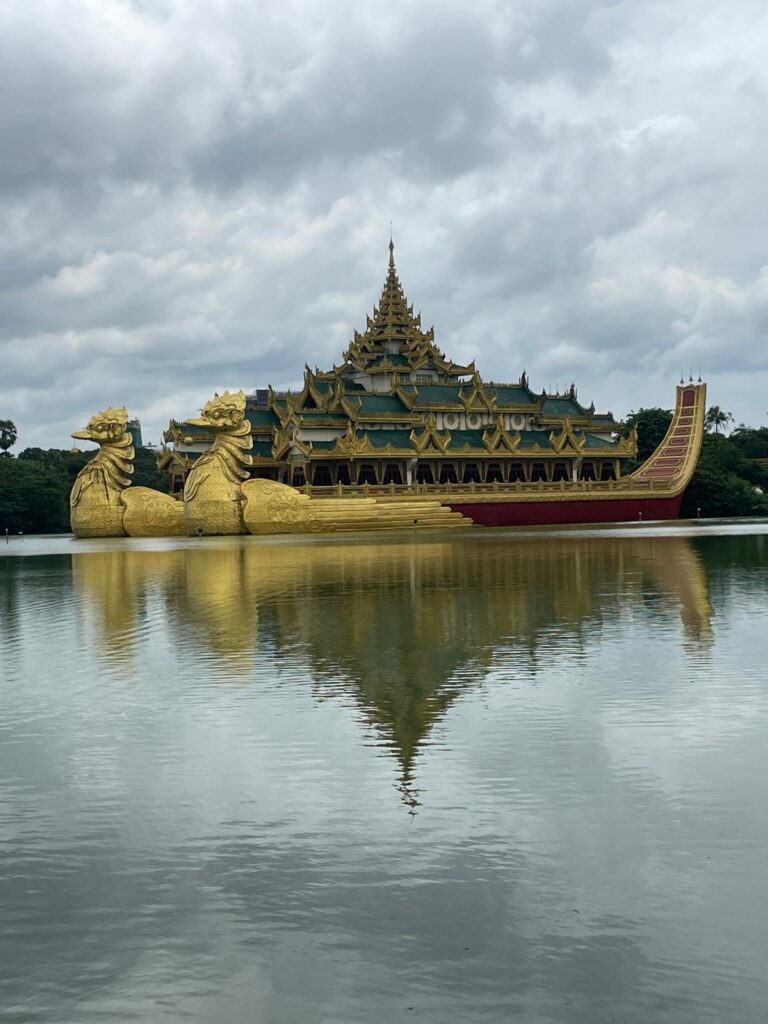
393 314
393 319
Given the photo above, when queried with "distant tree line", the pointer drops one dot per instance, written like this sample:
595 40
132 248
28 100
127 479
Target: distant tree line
729 480
35 486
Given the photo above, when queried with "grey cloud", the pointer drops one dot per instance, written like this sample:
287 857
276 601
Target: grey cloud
199 196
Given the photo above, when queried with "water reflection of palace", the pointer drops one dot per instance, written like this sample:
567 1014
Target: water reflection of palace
403 627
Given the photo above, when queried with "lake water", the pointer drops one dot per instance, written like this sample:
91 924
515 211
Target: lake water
448 778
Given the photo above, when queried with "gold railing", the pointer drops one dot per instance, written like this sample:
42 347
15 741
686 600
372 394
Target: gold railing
465 491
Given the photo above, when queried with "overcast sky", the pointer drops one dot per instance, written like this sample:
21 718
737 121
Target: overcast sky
197 195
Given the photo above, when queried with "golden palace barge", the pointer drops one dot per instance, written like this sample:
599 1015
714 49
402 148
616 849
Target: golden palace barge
397 435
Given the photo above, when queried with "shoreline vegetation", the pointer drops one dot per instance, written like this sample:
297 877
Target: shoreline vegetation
731 479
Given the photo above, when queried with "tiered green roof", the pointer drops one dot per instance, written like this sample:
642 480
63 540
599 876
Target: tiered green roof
392 390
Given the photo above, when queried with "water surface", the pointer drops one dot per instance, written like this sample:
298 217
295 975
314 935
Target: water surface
496 776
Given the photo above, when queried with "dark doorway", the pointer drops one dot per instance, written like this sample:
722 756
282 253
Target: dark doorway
607 472
516 472
322 477
424 475
560 472
538 472
342 476
448 474
367 474
493 474
587 471
392 474
471 474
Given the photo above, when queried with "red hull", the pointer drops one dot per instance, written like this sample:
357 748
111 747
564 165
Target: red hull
553 513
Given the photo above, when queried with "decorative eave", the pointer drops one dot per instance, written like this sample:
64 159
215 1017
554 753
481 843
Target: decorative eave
179 429
627 445
289 417
567 439
171 455
287 438
407 397
352 443
430 437
351 407
499 438
477 398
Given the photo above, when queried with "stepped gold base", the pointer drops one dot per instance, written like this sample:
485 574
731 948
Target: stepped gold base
272 508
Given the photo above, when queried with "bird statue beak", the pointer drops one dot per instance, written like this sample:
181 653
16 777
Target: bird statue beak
82 435
199 422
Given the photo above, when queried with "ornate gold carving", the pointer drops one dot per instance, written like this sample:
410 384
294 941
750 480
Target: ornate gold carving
101 504
394 320
351 444
430 437
218 486
568 439
499 439
213 491
272 508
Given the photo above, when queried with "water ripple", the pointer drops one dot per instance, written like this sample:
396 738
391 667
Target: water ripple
467 778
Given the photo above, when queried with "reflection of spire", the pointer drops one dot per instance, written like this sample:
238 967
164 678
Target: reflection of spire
408 791
405 634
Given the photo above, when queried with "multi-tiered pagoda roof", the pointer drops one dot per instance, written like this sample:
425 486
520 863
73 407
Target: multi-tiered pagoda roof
398 411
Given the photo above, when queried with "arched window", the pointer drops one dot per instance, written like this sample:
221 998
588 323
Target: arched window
493 474
342 476
587 471
607 471
471 474
392 474
298 476
367 474
560 472
322 477
424 474
538 472
516 472
448 473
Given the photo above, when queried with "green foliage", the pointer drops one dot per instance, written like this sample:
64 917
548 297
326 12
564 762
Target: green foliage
8 435
33 498
652 425
717 418
726 482
34 488
752 443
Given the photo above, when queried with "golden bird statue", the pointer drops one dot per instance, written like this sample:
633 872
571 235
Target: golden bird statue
103 503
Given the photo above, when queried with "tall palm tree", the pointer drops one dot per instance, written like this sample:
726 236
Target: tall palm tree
717 417
8 435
